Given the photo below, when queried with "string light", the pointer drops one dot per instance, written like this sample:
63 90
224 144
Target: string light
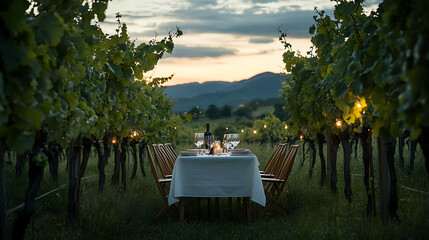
359 105
285 126
338 123
226 128
301 136
114 141
135 134
242 130
254 132
265 125
175 127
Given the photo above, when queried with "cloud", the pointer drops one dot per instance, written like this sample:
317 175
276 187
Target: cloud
261 40
181 51
255 20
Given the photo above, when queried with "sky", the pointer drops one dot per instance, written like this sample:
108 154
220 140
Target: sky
223 40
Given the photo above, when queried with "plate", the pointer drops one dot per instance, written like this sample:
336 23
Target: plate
189 153
241 151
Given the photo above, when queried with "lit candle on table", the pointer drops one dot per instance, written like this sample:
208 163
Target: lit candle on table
217 148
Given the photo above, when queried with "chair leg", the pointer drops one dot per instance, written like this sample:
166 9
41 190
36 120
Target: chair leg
162 209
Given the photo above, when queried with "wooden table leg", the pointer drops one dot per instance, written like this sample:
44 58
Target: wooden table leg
199 208
181 209
217 210
238 208
247 208
230 208
209 208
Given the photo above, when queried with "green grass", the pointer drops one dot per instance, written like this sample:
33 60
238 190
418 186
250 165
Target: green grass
313 212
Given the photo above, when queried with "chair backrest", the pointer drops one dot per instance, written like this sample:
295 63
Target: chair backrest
171 154
170 147
276 160
155 174
161 158
290 159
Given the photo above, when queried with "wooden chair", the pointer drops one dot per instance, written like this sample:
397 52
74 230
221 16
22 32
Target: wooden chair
274 186
275 162
170 147
162 184
162 159
171 154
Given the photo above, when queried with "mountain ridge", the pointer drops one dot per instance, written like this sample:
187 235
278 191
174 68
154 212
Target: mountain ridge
264 85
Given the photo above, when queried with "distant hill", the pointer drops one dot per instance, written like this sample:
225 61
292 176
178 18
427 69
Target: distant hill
264 85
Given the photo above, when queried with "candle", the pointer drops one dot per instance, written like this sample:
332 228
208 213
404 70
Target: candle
218 151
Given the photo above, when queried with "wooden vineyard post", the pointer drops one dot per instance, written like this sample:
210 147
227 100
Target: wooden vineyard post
329 157
383 188
371 169
388 197
74 183
2 194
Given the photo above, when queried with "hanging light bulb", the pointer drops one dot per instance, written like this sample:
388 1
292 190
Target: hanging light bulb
338 123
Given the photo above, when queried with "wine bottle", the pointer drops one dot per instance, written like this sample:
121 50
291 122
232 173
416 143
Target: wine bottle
207 138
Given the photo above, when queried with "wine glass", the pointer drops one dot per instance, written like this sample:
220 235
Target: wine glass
199 139
227 141
209 141
235 140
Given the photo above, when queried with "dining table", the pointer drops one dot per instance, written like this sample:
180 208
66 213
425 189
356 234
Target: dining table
221 175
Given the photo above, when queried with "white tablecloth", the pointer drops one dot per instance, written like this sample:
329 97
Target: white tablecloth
217 176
